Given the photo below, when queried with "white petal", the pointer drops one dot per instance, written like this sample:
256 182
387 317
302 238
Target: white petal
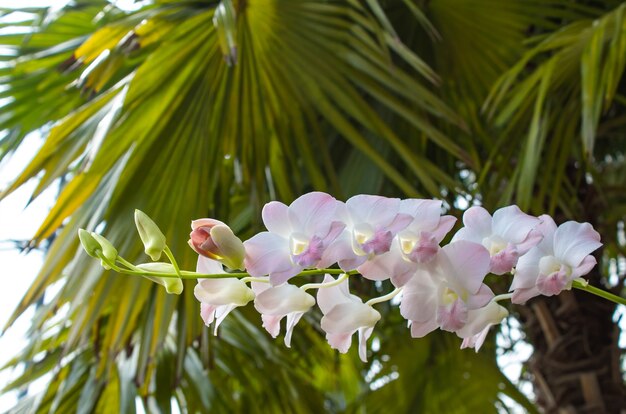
340 341
527 269
512 224
223 292
207 313
276 219
374 210
479 221
271 323
313 213
267 253
220 313
364 335
284 299
421 329
465 263
348 317
209 266
328 297
573 241
292 320
427 213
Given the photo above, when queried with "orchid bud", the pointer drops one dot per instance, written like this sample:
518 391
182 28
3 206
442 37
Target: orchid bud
108 251
151 236
172 284
215 240
88 242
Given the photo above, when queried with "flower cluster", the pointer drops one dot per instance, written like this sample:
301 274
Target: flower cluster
440 287
377 238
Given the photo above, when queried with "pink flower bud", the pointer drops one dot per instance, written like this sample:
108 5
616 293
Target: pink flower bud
215 240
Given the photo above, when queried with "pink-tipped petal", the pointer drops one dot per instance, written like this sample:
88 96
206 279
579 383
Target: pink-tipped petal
573 241
522 295
503 261
445 225
585 267
427 213
364 335
271 323
348 317
452 317
421 329
268 253
207 313
340 341
552 284
480 299
534 238
276 219
220 313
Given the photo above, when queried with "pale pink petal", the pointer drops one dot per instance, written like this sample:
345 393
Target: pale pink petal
386 265
427 213
209 266
278 277
480 299
527 269
522 295
585 267
465 263
220 313
339 249
400 222
207 313
503 261
223 292
512 224
534 238
481 318
205 222
271 323
292 320
553 283
268 253
445 225
547 227
573 241
373 209
340 341
259 287
313 213
421 329
328 297
284 299
276 218
419 300
348 317
453 316
475 341
353 263
425 249
479 221
336 228
364 335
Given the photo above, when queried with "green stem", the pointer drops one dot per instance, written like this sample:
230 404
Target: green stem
599 292
170 256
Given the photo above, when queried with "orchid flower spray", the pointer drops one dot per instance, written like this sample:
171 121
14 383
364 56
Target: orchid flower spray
318 243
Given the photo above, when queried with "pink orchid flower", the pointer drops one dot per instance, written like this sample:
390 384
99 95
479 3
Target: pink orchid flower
218 297
371 224
297 237
416 244
274 303
479 321
563 255
507 235
345 314
443 291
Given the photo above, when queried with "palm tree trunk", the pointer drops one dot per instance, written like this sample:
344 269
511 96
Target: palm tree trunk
575 366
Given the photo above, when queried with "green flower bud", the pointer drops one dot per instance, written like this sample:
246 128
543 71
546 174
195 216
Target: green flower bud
108 251
90 244
151 236
172 284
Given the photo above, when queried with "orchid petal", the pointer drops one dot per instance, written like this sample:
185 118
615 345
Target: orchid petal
522 295
373 209
585 267
465 263
479 220
276 218
313 213
328 297
207 313
480 299
421 329
271 323
340 341
573 241
292 320
268 253
445 225
282 300
220 314
225 291
348 317
209 266
512 224
364 335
